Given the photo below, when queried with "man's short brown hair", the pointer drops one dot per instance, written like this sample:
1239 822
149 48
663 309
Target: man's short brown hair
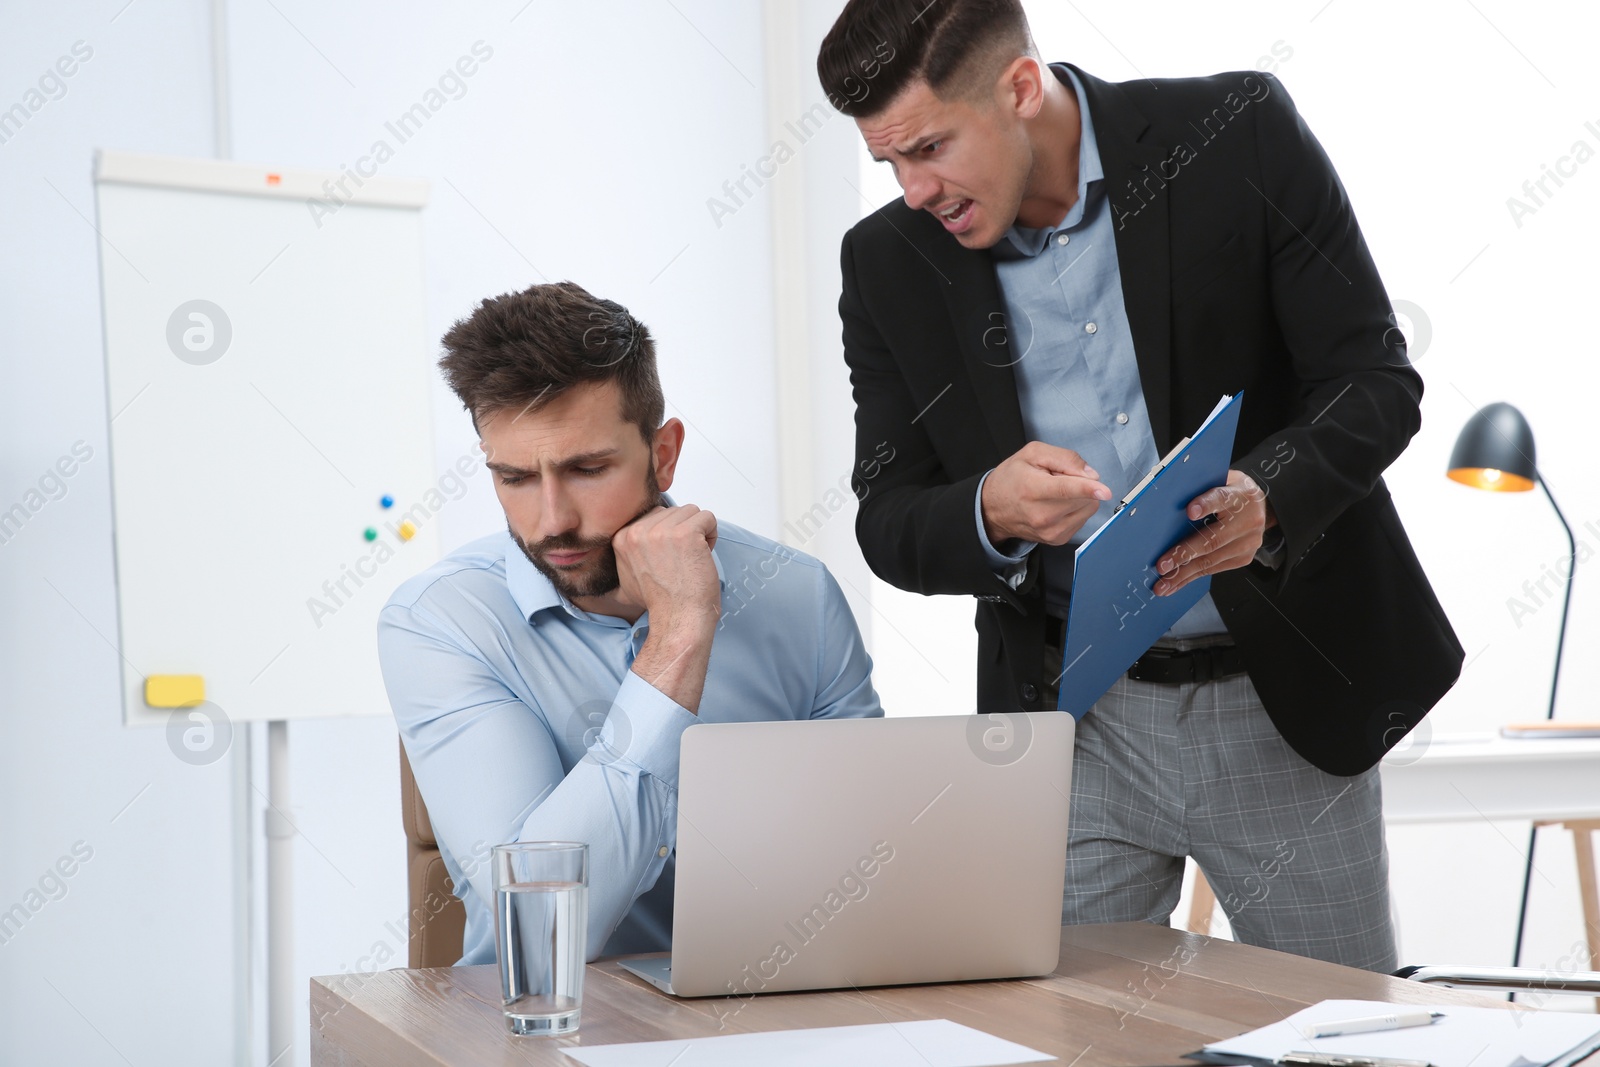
525 349
877 48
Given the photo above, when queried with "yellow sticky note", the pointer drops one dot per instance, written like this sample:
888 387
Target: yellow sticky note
174 690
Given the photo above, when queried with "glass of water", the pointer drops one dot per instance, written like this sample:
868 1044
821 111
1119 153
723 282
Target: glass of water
541 925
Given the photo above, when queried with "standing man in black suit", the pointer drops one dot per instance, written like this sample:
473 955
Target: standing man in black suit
1077 272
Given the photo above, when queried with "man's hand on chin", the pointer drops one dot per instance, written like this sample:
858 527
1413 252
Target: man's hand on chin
664 565
1241 515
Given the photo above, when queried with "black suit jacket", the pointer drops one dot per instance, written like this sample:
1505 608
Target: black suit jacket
1242 269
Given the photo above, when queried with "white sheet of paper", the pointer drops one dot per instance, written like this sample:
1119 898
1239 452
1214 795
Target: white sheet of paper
1481 1037
929 1043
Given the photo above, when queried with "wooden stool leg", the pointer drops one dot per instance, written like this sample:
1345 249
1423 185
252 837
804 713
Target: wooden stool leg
1583 841
1203 903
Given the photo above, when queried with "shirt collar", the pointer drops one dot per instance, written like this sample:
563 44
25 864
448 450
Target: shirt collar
1024 242
534 593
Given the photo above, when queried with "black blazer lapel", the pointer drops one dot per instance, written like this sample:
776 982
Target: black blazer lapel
978 314
977 311
1139 218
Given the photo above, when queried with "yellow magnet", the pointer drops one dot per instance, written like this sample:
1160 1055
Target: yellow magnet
407 530
174 690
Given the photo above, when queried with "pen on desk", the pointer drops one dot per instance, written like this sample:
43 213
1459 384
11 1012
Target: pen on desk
1397 1021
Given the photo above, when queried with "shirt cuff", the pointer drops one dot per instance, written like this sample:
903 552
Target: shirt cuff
644 728
998 561
1273 547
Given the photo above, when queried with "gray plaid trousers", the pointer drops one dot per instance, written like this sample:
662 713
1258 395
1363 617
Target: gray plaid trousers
1295 855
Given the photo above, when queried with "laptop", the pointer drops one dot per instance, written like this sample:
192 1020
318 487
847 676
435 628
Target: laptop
836 853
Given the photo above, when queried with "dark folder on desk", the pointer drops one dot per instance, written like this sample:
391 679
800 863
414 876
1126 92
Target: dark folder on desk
1113 617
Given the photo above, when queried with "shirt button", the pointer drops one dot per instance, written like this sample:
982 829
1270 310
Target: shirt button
1122 418
1062 238
662 851
1030 692
1090 327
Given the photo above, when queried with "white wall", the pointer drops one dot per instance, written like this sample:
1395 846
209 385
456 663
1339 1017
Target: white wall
141 933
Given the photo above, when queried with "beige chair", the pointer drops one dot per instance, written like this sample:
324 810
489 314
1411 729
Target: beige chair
436 919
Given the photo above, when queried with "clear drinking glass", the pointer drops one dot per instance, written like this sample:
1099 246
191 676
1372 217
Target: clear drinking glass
541 924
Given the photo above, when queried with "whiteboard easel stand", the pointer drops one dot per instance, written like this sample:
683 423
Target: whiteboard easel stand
240 765
280 835
243 841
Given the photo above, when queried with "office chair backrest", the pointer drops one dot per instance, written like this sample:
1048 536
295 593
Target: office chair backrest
436 919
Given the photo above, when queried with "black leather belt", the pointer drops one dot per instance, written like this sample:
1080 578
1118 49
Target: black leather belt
1171 667
1162 665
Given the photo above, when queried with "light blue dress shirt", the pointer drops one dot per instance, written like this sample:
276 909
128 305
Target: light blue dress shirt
1077 376
522 720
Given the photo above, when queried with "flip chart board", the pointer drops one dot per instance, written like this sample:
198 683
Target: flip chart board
267 371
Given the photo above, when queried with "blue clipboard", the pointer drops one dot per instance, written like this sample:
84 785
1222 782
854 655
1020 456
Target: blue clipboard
1113 617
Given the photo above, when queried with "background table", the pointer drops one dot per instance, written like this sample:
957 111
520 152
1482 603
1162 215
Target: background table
1124 994
1481 777
1466 777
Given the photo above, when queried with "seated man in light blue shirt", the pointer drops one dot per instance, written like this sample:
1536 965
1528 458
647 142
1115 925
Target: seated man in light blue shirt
541 679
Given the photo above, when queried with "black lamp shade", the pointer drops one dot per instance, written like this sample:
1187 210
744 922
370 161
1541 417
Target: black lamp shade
1495 451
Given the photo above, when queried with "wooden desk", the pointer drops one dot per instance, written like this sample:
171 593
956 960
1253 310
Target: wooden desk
1124 994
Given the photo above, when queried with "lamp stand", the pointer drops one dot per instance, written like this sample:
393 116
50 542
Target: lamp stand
1561 640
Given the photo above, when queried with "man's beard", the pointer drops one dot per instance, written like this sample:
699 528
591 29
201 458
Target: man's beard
598 574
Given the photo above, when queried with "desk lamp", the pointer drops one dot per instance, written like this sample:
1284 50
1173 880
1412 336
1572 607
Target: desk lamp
1495 452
